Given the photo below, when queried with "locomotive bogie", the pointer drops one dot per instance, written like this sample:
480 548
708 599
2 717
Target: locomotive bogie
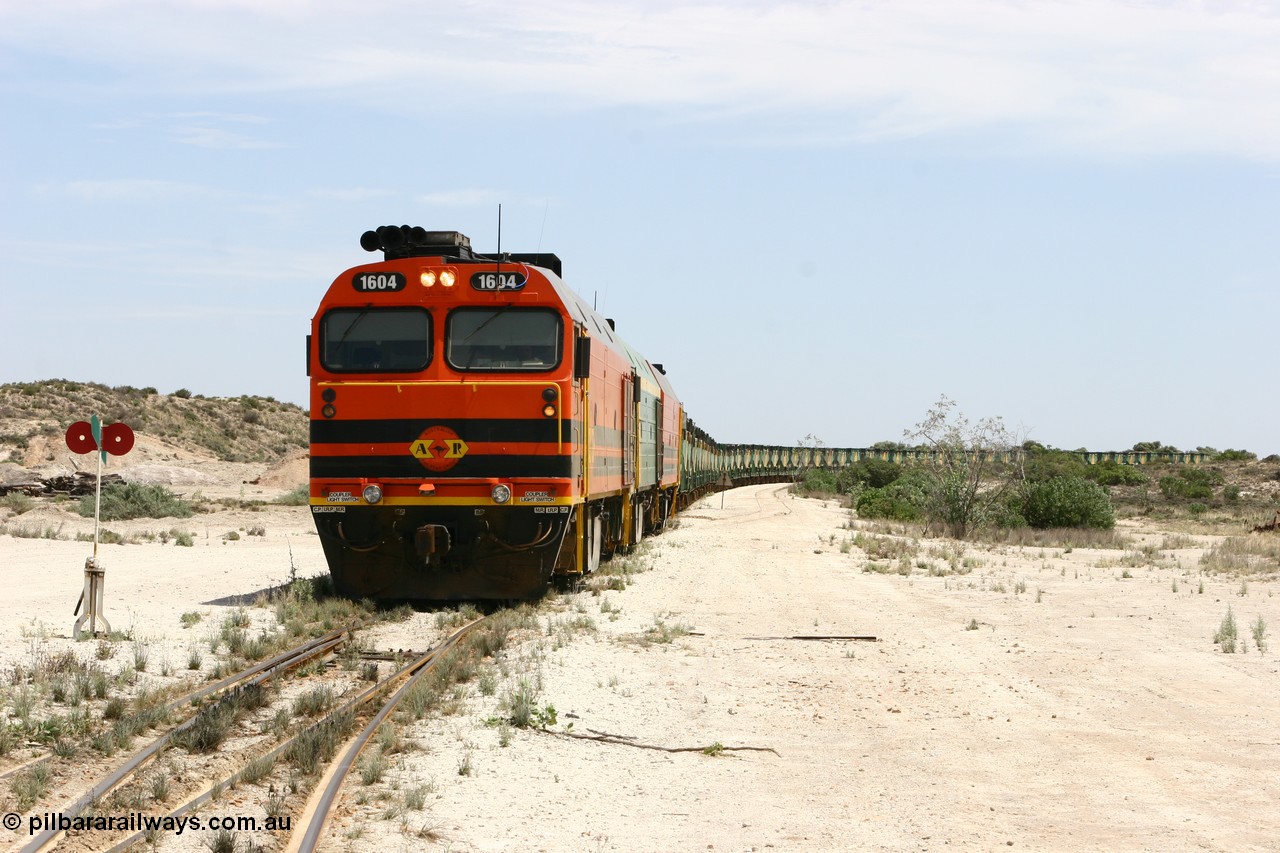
445 552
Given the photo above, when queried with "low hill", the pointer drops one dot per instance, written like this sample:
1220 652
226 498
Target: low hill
34 417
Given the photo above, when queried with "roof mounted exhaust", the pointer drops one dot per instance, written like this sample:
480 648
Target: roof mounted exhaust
397 242
402 241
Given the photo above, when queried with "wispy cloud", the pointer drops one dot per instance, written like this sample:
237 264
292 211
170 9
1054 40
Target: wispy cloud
1125 75
129 190
201 129
191 264
215 137
351 194
204 129
234 118
462 198
479 196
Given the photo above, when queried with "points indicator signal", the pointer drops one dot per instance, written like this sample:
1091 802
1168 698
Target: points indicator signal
117 439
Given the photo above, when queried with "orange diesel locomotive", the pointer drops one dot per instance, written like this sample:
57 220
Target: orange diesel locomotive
476 427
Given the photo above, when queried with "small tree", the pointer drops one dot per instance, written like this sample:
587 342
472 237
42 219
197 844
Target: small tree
964 486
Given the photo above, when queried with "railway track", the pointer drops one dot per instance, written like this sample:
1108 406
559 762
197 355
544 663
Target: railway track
284 661
315 817
369 705
254 676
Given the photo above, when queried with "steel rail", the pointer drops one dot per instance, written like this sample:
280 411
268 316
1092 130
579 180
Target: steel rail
257 674
281 662
284 659
316 814
18 768
349 706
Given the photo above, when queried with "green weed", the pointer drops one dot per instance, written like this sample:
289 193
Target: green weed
1227 633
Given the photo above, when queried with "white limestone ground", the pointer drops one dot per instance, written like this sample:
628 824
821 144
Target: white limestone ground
1088 712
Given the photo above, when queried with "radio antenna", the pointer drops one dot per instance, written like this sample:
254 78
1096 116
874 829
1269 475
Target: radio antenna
499 232
545 206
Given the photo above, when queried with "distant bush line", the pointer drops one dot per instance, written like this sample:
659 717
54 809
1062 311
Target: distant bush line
1049 488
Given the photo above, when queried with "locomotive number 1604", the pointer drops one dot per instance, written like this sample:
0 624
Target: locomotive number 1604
491 281
368 282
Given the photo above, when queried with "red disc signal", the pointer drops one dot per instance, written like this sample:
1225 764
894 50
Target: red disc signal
80 438
117 439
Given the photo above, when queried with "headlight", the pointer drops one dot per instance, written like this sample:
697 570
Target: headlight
447 278
372 493
500 494
428 278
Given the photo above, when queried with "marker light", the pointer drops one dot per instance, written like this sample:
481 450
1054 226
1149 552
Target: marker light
500 494
428 278
372 493
448 277
548 411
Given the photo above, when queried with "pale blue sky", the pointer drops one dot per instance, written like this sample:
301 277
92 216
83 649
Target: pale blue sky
819 216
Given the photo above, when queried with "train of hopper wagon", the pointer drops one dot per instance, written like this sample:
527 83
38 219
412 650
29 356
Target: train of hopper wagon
478 430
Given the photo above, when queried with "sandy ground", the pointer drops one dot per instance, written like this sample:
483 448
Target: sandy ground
149 585
1088 712
1100 717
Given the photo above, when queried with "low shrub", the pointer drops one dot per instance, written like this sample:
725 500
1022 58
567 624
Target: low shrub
904 499
1112 473
1068 502
17 502
1044 463
885 503
122 501
1192 484
300 496
1176 487
869 473
817 481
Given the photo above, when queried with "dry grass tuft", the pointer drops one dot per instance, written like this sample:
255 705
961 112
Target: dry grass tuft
1243 555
